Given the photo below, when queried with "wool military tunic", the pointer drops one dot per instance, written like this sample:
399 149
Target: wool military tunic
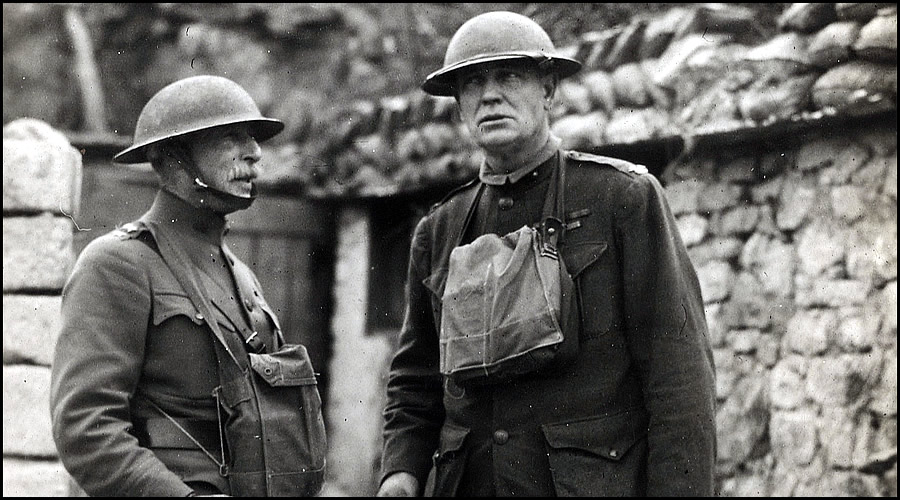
133 345
632 415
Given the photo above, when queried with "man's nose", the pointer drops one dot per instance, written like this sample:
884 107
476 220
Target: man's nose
491 92
252 152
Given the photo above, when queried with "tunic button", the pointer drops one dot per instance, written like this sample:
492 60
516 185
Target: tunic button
505 203
613 453
199 316
501 437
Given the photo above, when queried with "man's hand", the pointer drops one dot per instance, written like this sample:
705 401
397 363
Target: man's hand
399 484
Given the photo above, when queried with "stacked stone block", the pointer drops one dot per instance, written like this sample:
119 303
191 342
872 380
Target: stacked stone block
41 191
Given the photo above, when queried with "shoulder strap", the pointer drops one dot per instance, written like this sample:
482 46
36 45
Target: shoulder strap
624 166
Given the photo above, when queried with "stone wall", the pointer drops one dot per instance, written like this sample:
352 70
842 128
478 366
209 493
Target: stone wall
41 190
796 253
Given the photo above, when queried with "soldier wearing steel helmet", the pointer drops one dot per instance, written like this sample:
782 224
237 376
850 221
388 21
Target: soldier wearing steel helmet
633 413
158 383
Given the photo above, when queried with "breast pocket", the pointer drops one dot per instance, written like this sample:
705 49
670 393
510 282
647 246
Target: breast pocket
603 456
171 304
179 351
579 256
596 283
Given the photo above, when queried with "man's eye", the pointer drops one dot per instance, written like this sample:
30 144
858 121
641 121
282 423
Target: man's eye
474 80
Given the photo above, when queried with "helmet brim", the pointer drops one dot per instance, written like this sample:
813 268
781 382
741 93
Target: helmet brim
443 81
262 129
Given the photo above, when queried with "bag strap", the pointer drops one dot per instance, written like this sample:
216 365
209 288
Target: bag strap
470 213
554 202
552 225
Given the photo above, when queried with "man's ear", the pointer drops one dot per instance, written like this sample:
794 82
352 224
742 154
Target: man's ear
550 82
169 157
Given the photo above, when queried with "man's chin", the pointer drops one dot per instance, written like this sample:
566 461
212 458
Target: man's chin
498 140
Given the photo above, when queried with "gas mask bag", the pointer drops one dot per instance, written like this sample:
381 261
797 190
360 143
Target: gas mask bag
509 306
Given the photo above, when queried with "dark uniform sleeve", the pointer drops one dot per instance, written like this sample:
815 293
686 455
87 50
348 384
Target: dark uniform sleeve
96 367
414 411
667 335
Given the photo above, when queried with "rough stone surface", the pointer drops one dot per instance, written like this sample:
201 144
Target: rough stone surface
809 332
787 383
746 412
37 253
41 171
797 200
683 196
26 412
819 247
692 229
793 439
28 478
841 380
30 326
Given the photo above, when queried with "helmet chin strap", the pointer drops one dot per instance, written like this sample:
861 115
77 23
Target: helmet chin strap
219 200
204 195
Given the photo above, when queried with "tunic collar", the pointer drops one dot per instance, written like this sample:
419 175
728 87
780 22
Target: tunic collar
171 211
498 179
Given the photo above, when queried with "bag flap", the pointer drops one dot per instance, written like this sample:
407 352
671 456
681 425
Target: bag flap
579 256
288 366
610 437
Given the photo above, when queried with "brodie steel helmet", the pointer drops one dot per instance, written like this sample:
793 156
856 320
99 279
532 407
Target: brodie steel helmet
496 36
192 104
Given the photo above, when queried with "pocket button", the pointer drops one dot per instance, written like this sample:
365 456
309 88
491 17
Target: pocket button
613 453
501 436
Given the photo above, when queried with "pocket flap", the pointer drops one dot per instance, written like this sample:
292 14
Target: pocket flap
169 304
610 437
452 438
579 256
288 367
